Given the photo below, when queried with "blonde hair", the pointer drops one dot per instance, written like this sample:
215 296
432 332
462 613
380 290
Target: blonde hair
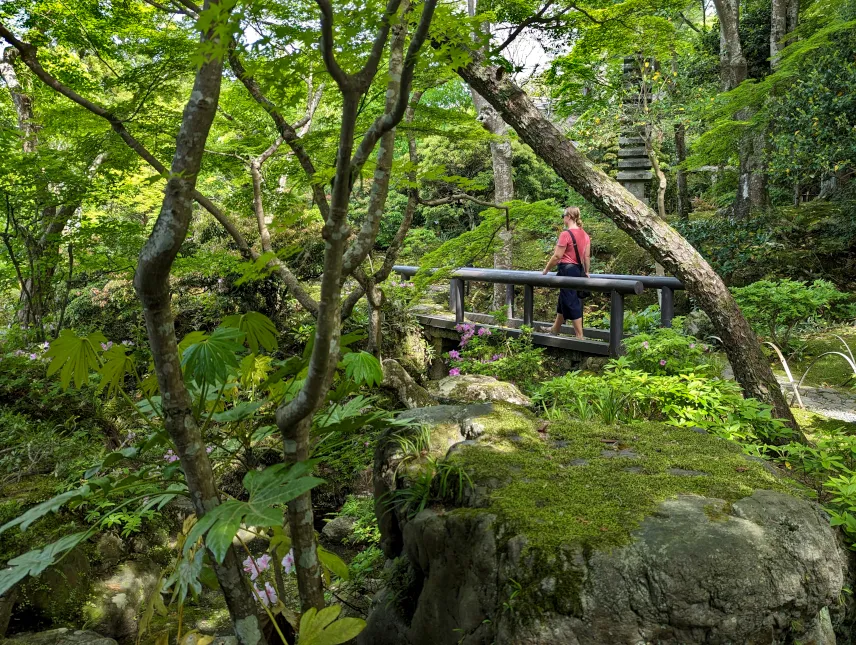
574 213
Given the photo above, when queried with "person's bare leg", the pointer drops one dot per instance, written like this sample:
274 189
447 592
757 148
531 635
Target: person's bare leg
578 327
557 326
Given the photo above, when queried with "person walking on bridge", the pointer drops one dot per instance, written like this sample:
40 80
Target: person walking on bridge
573 256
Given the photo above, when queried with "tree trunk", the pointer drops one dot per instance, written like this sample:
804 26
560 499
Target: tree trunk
732 62
681 179
503 178
778 29
20 99
151 282
750 366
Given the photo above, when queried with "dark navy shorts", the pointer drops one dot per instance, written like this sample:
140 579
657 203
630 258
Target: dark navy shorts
569 306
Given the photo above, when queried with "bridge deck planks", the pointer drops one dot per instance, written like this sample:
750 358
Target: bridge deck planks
584 346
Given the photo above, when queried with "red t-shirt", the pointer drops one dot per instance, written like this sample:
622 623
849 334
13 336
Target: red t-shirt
582 238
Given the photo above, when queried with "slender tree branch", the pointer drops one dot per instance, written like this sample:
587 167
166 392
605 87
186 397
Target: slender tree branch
389 120
523 25
327 53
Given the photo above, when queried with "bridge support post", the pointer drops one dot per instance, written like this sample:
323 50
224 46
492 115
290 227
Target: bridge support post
616 324
456 298
528 305
667 306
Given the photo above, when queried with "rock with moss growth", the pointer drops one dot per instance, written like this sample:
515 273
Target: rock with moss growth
585 534
116 603
62 636
409 392
476 387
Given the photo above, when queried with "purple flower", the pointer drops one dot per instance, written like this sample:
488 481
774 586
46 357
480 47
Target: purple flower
484 331
170 456
209 450
662 362
34 357
107 345
20 352
255 567
128 343
288 562
645 344
46 345
454 372
454 355
495 357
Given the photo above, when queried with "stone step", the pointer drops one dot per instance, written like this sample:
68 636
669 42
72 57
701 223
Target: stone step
640 163
631 141
629 153
634 175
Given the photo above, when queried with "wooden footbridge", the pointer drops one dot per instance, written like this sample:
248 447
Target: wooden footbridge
596 342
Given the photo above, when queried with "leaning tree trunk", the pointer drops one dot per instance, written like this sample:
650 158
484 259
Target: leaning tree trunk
648 230
151 282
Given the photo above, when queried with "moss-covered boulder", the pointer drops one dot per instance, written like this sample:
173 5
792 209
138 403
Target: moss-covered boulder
586 534
476 387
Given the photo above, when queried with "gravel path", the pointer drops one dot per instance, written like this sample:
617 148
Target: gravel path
828 401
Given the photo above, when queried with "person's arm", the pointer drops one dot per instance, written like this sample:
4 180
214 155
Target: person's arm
558 252
587 260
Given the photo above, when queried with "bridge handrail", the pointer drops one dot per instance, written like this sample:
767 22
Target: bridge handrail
648 281
535 279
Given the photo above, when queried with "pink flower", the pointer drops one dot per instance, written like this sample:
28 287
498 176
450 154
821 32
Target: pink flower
267 595
645 344
484 331
288 562
366 444
107 345
662 362
454 355
263 562
209 450
454 372
692 345
495 357
170 456
34 357
252 567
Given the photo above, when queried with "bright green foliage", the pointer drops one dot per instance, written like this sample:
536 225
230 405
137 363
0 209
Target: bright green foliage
322 628
259 330
774 309
667 351
211 358
35 562
363 368
268 488
75 355
684 400
117 364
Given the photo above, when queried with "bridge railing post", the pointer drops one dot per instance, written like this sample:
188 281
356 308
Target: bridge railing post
667 306
616 324
528 305
509 300
456 288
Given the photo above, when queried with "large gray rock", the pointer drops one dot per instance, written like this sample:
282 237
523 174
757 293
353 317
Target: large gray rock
409 392
62 636
339 529
762 567
475 387
117 599
697 323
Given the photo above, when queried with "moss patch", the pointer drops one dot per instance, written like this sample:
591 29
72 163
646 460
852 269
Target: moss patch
592 485
814 424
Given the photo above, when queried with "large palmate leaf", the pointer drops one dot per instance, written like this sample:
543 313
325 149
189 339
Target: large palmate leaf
363 368
76 355
117 364
210 359
40 510
34 562
259 330
239 412
322 628
268 490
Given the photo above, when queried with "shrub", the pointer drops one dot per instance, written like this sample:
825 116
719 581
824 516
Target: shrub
687 400
667 351
775 309
498 355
